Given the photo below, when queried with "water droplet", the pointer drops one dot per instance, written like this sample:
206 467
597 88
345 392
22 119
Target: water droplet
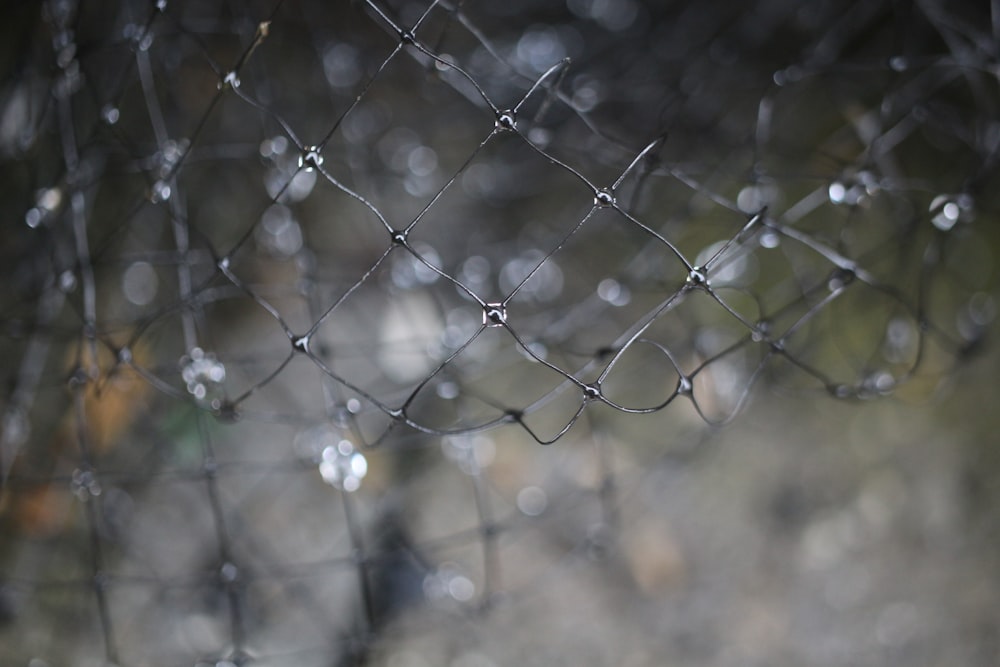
140 283
47 200
684 385
422 161
540 137
839 390
761 331
225 411
110 114
753 198
342 65
506 121
592 391
447 390
33 217
229 573
301 344
982 308
202 373
230 80
899 63
614 292
604 198
532 500
697 278
84 484
448 582
272 148
769 239
311 158
854 190
878 383
16 427
342 466
495 315
839 279
160 192
125 355
278 233
161 5
948 210
67 281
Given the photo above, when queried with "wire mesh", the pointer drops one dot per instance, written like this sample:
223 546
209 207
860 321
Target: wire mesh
295 292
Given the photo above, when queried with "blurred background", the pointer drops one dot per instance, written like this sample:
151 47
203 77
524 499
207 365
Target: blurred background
411 333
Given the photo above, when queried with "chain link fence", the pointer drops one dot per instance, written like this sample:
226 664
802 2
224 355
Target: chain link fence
467 333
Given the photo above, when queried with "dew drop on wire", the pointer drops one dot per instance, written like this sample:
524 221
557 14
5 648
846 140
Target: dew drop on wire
494 315
753 198
160 192
140 283
278 234
447 390
840 390
311 158
532 500
274 147
230 80
448 582
110 114
33 217
604 198
540 137
229 573
769 239
202 373
67 281
878 383
946 211
47 200
342 466
84 484
301 344
839 279
697 278
506 121
684 385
